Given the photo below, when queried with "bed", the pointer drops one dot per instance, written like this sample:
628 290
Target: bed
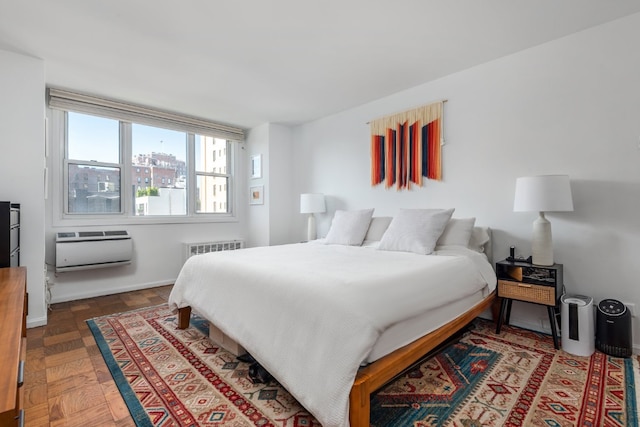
334 322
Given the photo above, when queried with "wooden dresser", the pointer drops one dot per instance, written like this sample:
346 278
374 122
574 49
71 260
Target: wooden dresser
13 350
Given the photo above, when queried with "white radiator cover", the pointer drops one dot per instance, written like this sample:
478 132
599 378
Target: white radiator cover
84 250
198 248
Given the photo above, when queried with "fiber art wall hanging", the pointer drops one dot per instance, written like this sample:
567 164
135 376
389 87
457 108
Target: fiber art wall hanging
406 147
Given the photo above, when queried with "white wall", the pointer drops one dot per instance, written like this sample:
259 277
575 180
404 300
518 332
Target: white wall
282 206
571 106
22 165
271 223
258 215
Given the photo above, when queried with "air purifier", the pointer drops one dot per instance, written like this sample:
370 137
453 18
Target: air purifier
613 334
577 325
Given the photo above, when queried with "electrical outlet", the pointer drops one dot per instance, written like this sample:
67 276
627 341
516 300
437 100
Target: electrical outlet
631 307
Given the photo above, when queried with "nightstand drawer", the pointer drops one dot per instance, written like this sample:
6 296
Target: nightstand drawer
526 292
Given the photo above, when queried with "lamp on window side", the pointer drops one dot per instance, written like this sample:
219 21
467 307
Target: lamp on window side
312 203
543 193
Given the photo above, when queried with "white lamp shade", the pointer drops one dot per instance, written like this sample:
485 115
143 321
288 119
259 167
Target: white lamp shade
543 193
312 203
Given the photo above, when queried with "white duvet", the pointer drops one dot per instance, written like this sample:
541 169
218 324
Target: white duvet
311 313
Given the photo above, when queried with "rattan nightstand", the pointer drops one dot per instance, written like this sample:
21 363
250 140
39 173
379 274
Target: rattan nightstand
537 284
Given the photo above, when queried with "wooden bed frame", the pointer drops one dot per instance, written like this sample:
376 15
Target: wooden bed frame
375 375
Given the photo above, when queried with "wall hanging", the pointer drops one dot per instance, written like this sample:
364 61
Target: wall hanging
406 147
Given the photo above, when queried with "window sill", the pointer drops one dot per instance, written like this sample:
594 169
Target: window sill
109 220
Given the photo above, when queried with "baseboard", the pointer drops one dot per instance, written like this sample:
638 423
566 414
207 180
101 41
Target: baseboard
110 291
532 326
34 323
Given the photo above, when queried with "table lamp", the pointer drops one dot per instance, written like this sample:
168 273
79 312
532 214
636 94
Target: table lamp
312 203
543 193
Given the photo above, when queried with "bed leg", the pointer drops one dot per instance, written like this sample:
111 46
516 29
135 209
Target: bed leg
359 405
184 316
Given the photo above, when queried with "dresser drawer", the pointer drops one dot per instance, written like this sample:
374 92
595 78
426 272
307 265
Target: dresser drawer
525 292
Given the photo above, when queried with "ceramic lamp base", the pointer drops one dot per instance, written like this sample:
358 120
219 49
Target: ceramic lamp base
541 244
311 228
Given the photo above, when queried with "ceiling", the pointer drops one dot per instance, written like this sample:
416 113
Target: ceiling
247 62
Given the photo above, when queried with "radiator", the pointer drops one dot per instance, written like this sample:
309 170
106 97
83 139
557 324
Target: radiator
191 249
84 250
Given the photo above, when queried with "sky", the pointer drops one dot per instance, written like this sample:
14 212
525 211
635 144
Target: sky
102 133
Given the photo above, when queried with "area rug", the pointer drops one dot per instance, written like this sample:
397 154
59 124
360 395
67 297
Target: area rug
172 377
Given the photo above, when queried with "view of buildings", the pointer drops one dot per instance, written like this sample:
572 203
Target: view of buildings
158 183
159 170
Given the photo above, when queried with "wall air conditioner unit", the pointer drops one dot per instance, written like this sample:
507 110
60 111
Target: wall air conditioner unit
84 250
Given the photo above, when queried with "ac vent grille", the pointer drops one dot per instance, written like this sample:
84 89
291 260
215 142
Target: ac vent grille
75 236
90 233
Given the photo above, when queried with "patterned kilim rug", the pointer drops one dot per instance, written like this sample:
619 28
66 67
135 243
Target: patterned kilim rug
171 377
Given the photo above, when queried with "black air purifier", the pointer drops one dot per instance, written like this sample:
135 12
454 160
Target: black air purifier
613 329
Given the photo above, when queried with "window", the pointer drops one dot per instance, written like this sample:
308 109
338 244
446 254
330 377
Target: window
93 149
210 170
166 151
181 164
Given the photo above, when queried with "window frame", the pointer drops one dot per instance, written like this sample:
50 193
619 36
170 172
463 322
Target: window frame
228 174
57 118
81 162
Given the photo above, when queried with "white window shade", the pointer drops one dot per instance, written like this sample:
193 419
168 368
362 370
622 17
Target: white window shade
83 103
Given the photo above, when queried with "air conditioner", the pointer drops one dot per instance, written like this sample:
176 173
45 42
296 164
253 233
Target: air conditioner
84 250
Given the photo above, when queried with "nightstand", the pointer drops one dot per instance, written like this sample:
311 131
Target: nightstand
537 284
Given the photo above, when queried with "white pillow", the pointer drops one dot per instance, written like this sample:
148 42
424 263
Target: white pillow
349 227
415 230
479 238
378 226
457 232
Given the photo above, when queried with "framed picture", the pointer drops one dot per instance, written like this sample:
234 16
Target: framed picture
256 195
256 166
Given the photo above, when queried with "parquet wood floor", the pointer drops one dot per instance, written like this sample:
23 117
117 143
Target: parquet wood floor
67 382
